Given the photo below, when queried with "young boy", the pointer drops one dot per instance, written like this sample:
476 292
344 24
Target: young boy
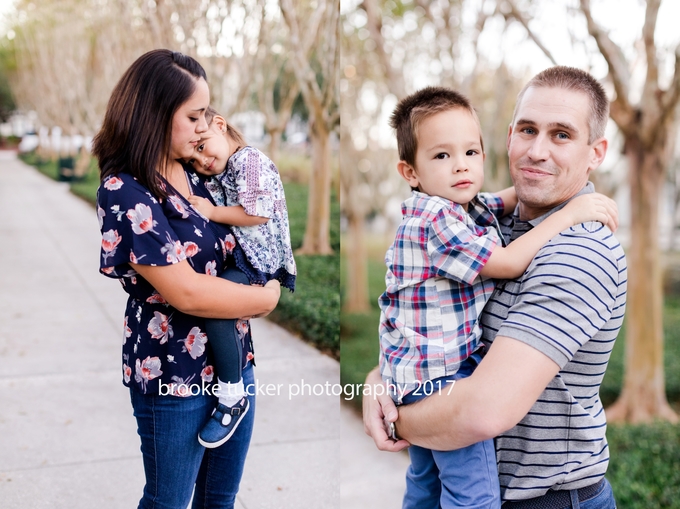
438 280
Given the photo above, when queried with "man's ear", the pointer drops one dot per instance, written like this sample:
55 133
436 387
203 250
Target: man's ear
220 123
408 173
597 153
507 142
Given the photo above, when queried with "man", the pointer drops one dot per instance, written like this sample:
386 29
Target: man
550 332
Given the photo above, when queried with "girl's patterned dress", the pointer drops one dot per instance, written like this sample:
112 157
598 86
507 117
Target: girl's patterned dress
252 181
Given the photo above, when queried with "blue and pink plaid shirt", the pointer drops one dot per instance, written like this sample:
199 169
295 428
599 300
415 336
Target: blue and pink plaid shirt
429 320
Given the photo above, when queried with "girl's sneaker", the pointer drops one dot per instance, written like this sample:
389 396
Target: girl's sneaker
222 423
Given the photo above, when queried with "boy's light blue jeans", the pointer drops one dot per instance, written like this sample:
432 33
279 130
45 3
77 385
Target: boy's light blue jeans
465 477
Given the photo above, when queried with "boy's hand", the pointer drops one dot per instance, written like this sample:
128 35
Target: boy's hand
202 205
594 207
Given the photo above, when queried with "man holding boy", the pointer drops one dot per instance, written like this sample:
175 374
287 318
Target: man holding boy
550 332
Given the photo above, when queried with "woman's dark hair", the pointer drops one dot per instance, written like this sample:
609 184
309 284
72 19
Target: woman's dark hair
136 133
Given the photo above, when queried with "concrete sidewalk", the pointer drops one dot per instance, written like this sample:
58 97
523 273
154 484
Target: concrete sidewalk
369 479
67 435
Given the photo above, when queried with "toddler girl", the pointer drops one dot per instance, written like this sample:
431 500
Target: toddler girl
249 196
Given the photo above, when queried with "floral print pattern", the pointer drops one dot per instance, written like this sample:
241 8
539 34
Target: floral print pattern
160 343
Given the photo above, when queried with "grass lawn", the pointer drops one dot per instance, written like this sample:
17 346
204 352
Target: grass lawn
644 469
313 311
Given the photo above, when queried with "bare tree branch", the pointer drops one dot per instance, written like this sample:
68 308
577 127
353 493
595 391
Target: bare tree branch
618 67
395 80
516 14
672 96
652 79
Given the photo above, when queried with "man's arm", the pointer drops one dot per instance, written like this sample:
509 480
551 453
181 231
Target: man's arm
492 400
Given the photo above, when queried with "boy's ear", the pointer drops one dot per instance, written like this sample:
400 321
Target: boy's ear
220 123
408 173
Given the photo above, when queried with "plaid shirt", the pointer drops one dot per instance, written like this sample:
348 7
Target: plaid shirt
429 321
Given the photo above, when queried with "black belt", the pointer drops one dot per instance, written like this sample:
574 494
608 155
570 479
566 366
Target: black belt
555 499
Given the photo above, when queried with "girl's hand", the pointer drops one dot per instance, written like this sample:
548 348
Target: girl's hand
594 207
202 205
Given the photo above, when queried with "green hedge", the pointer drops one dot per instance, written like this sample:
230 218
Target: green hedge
644 468
313 311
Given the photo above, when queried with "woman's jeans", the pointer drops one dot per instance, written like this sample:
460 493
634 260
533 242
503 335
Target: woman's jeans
174 461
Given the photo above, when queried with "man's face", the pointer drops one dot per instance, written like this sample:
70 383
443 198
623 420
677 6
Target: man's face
550 157
449 161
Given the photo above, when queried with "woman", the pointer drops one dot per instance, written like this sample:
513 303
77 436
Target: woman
166 255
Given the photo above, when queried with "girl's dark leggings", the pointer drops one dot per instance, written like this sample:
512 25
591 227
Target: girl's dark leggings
223 337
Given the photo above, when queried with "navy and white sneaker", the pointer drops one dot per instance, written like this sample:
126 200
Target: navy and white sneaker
216 432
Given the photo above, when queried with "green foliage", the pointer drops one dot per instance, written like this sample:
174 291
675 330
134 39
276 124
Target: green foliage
613 379
644 468
313 311
7 65
45 166
359 347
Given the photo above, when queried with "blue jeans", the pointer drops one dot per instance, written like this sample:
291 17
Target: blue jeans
174 461
602 500
466 477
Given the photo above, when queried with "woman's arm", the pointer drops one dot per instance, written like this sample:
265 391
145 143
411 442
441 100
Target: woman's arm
234 215
511 261
509 197
208 296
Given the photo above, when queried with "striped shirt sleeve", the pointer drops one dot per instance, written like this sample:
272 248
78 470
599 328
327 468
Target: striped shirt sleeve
567 294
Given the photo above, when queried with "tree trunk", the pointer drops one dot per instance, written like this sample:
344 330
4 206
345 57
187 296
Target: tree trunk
317 232
274 143
356 300
643 397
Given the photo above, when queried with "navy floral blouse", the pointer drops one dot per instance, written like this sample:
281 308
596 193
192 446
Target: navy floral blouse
160 343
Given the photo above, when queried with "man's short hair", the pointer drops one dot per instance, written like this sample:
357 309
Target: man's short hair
415 108
571 78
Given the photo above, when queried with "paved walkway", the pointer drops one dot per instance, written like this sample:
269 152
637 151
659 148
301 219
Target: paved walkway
67 435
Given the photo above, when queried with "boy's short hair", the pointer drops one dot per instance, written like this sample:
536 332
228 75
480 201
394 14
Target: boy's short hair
232 130
415 108
571 78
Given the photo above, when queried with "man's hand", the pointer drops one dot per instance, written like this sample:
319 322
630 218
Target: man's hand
202 205
378 411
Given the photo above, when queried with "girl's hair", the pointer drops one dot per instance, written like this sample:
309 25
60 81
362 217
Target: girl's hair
232 131
136 134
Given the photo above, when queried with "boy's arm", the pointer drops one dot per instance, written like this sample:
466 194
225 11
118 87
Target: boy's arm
510 262
509 197
234 215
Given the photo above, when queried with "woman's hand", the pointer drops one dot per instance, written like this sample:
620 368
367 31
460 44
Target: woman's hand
202 205
274 286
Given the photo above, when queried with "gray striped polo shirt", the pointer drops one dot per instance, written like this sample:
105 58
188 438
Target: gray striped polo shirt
569 305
